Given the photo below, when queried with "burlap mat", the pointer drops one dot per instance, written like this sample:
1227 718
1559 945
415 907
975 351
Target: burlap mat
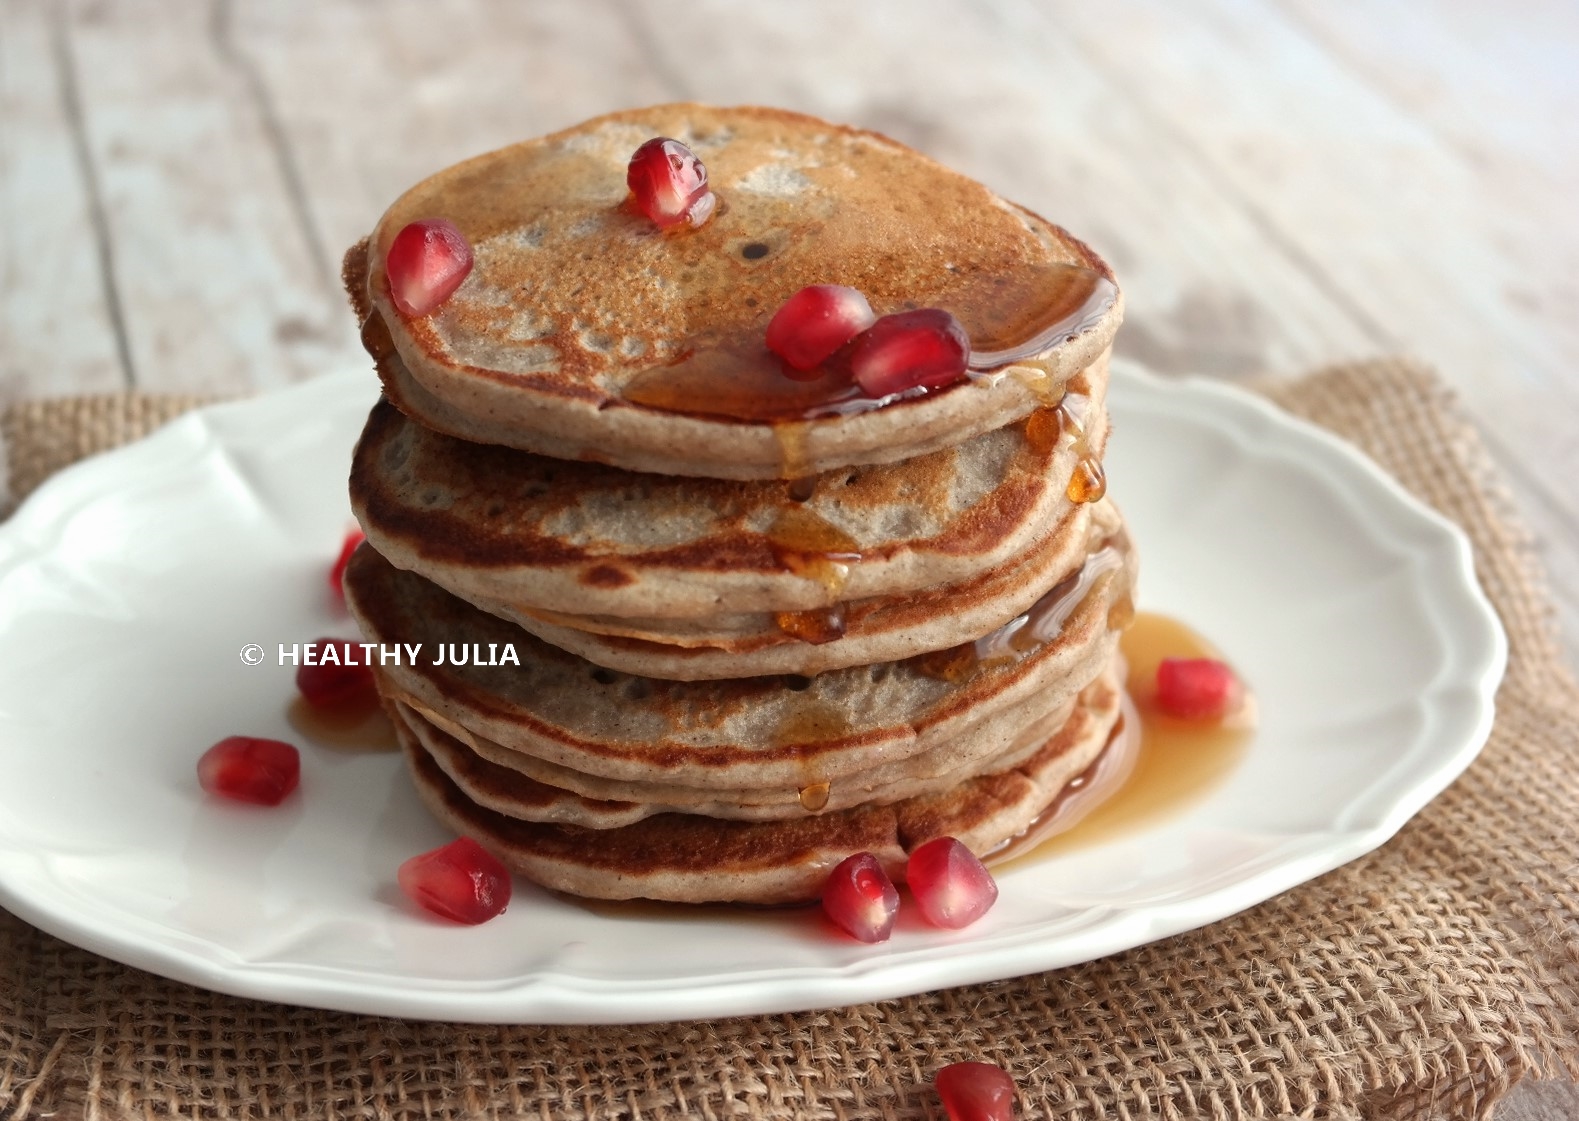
1418 982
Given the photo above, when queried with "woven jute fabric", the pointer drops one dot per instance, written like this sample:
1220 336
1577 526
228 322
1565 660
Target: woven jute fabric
1418 982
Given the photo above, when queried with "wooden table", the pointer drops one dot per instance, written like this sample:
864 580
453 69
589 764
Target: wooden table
1278 183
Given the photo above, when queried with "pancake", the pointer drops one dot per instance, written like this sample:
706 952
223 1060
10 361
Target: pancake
524 534
744 732
543 791
586 333
695 859
882 629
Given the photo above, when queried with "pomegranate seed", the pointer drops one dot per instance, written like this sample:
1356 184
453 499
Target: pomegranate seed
951 886
337 572
861 899
249 769
1196 688
461 881
815 322
340 677
669 184
899 352
976 1092
426 263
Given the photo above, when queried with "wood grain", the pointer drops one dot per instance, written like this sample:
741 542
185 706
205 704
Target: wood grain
58 307
1279 183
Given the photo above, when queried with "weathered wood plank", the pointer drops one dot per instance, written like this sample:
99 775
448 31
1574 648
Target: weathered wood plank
1413 240
1497 92
422 90
1496 88
218 278
1436 257
57 334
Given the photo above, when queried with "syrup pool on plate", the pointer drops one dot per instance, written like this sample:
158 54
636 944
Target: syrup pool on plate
357 727
1169 765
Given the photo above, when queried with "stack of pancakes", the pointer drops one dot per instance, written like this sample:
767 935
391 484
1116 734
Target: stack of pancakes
757 624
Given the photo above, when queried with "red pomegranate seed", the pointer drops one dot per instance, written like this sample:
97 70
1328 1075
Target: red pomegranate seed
899 352
976 1092
426 263
337 572
861 899
815 322
461 881
249 769
669 184
951 886
1196 688
340 677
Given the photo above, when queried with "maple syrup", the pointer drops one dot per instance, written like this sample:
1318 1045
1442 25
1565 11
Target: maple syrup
1028 632
741 379
811 722
1016 314
352 728
814 797
1043 429
814 627
1047 616
1011 316
1088 482
1174 762
809 545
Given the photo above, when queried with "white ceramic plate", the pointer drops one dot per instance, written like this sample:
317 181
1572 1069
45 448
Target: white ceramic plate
130 584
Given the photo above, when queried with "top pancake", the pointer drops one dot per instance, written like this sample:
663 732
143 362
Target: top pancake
576 304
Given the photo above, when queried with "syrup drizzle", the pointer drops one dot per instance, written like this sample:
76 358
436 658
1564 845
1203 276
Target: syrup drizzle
1041 624
813 722
814 797
811 546
816 627
1012 316
1087 482
1024 313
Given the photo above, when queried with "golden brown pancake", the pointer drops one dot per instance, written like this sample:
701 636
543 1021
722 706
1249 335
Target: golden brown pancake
694 859
861 632
544 791
552 538
585 332
744 732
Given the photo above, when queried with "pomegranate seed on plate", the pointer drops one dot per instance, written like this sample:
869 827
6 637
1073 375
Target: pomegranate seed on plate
976 1092
861 899
669 184
1196 688
249 769
951 886
345 681
426 263
899 352
461 881
815 322
337 572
